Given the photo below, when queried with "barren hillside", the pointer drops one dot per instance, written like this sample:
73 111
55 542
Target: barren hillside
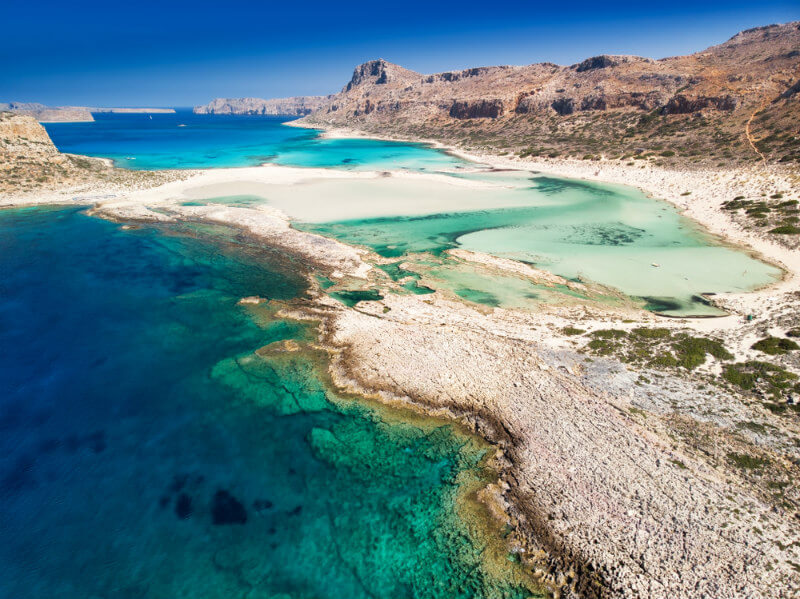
694 107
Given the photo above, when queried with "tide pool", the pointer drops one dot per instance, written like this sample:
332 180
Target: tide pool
186 140
151 448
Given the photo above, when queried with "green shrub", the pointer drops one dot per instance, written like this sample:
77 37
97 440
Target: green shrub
647 333
601 346
608 334
753 373
775 346
747 461
786 230
664 361
572 331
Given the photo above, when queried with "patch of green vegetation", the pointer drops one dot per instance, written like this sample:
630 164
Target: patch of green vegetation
747 461
572 331
795 332
609 334
601 347
775 346
664 361
755 375
651 333
657 347
786 230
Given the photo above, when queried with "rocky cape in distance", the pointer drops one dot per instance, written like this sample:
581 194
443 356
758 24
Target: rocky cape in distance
70 114
736 101
294 106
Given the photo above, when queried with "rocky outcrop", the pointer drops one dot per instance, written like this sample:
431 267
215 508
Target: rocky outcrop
564 106
17 130
482 109
379 72
681 104
29 161
596 62
792 90
294 106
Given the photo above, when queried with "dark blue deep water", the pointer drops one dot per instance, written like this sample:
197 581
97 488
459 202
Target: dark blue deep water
146 450
187 140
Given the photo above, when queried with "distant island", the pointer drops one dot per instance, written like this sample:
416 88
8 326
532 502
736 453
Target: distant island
294 106
70 114
49 114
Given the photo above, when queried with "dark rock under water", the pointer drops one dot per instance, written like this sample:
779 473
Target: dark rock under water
226 509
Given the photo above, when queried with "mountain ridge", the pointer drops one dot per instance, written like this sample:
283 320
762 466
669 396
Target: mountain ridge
694 106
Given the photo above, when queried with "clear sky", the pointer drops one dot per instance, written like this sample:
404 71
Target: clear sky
178 53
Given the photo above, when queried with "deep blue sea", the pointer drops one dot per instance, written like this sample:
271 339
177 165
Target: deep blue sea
187 140
148 451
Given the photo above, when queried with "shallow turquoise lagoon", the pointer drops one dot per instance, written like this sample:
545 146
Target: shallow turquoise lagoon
148 451
605 234
187 140
611 235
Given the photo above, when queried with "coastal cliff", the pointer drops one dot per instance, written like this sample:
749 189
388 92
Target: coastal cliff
294 106
734 101
31 163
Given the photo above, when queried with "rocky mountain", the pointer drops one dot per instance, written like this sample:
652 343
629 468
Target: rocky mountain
294 106
738 100
48 114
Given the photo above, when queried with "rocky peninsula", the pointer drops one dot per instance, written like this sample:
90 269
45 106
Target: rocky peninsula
70 114
294 106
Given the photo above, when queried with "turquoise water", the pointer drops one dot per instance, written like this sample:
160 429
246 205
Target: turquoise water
187 140
611 235
149 450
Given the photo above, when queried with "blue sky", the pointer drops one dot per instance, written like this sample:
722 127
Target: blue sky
183 53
